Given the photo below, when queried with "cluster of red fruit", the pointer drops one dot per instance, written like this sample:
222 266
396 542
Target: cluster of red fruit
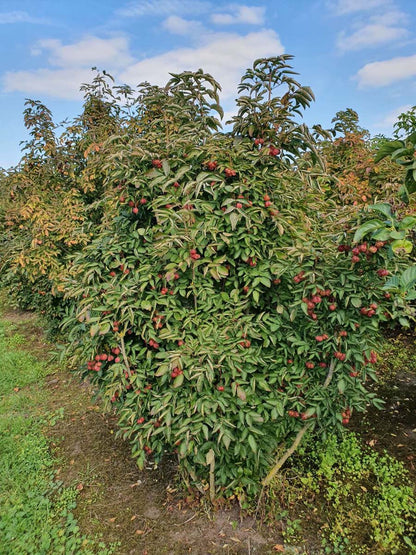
346 415
157 319
246 344
322 337
251 262
157 163
370 311
382 272
340 356
273 151
165 290
230 172
194 255
372 359
267 201
299 277
176 372
211 166
147 450
315 300
116 326
153 344
97 363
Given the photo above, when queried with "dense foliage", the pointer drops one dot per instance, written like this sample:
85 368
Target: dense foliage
212 285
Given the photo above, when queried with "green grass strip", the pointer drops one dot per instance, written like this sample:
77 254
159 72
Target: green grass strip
35 510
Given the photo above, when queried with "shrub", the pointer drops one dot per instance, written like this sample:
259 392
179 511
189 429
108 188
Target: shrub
217 308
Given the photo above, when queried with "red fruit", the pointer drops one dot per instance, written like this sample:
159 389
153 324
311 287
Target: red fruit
143 201
267 203
380 244
112 274
371 313
332 307
246 289
319 338
355 259
176 184
116 350
373 249
229 172
343 333
322 364
354 374
363 247
266 197
239 205
325 336
277 281
289 361
345 421
316 299
135 210
104 356
314 316
211 165
157 163
258 141
163 291
220 388
180 343
117 359
140 420
131 203
293 413
387 295
382 272
274 151
310 365
122 199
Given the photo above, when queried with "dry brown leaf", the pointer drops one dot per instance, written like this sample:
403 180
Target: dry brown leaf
279 548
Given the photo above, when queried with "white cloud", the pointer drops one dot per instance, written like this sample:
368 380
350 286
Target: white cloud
58 83
380 29
19 17
72 63
343 7
240 14
370 35
89 51
391 118
179 26
224 57
164 8
380 74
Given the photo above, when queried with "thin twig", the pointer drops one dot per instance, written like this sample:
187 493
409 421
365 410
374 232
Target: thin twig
123 352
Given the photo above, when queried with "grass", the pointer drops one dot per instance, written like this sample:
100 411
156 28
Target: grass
36 510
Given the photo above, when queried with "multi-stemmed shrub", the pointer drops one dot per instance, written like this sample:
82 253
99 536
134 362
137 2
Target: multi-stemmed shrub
221 307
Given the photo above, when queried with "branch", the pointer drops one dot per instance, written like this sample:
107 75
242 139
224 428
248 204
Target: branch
123 352
286 455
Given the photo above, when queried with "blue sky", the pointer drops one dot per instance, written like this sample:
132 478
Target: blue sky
359 54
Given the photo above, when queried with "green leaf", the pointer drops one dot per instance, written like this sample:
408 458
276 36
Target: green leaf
408 277
178 381
341 386
366 228
402 245
94 329
252 443
382 207
210 456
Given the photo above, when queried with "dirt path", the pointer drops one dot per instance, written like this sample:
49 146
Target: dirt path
139 509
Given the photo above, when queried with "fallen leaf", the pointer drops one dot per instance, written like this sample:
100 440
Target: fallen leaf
279 548
16 389
133 517
112 519
139 532
236 540
80 487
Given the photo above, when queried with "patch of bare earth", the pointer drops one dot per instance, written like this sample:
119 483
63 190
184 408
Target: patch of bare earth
139 509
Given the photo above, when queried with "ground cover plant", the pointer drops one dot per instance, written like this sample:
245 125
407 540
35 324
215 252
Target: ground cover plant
220 302
36 510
